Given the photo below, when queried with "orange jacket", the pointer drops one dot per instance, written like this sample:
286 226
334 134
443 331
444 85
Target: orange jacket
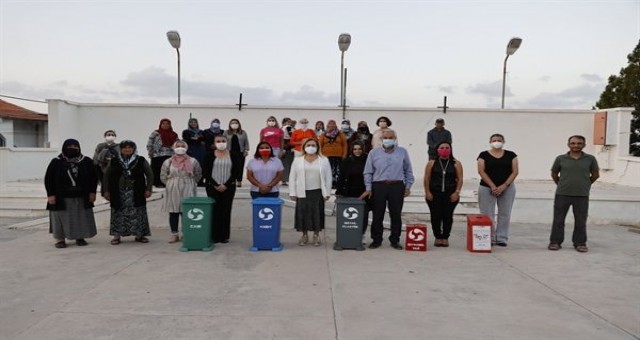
338 148
299 135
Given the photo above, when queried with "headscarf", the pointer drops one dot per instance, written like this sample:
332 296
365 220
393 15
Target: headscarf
216 131
128 162
197 129
168 137
362 156
366 129
348 131
182 162
71 162
331 133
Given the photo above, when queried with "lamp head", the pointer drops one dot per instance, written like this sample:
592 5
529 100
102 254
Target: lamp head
174 39
513 45
344 40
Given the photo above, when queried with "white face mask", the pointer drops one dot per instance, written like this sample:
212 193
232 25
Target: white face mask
497 145
110 138
271 123
221 146
383 125
234 126
180 150
310 150
345 127
303 126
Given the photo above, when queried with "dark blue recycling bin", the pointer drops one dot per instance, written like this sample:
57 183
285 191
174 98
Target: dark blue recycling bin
267 212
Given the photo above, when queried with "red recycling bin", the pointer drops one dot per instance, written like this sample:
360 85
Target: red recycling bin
479 229
416 237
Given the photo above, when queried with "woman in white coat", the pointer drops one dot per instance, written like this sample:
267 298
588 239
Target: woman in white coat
180 174
309 186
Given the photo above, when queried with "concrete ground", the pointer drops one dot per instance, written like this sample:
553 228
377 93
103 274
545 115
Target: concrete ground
153 291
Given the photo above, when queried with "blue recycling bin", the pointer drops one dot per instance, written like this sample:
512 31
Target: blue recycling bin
267 212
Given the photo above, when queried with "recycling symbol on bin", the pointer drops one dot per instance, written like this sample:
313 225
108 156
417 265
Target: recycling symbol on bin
195 214
265 214
416 235
350 213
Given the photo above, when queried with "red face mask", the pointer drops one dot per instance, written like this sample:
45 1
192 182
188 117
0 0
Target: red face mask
264 152
444 153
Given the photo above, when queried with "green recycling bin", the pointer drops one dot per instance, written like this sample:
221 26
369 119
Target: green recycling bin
197 213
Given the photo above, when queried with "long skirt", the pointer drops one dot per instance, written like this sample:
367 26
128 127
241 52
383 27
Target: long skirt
75 222
309 213
129 220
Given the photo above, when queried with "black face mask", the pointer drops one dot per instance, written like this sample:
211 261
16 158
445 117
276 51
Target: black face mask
71 153
362 129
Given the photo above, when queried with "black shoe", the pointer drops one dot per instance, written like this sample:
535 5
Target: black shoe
396 246
142 239
81 242
61 245
501 244
374 245
225 241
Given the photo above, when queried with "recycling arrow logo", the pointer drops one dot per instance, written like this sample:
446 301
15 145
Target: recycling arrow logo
350 213
266 214
416 235
195 214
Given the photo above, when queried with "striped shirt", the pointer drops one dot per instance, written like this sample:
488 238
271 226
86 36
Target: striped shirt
221 171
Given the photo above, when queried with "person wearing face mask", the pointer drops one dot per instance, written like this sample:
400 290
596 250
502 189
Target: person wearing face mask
363 136
436 136
104 153
334 146
264 172
71 183
351 179
346 129
210 134
180 174
194 137
238 146
442 185
498 168
129 182
310 186
383 123
159 148
388 177
273 135
319 129
220 173
300 135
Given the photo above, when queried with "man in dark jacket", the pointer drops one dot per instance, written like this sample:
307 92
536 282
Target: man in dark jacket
436 136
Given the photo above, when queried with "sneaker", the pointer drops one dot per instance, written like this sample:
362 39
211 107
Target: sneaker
174 239
316 240
304 239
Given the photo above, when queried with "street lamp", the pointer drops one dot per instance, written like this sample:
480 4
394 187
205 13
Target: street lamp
512 47
344 40
174 40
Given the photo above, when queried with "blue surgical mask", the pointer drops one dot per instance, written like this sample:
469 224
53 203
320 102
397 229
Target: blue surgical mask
388 143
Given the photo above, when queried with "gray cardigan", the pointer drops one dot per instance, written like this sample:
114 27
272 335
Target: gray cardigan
242 139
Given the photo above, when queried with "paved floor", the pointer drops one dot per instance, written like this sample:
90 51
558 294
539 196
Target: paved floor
153 291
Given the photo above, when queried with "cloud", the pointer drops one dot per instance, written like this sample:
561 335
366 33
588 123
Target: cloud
447 89
593 78
490 90
579 97
544 79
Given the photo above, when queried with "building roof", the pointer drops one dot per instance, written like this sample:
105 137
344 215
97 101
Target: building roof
11 111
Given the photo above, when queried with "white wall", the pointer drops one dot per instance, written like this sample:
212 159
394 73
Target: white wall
19 164
537 136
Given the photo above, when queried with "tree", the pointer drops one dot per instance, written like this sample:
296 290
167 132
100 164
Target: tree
624 90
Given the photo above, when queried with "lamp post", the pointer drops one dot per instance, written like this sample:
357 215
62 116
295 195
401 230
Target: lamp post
344 40
512 47
174 40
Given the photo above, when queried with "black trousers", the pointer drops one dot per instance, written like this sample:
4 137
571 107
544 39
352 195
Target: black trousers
174 219
335 163
239 159
580 205
391 196
221 219
156 166
441 209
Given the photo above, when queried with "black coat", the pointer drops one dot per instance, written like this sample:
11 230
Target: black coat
207 168
351 178
141 175
57 182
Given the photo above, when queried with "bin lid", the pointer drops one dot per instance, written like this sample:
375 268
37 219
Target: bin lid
349 201
267 201
198 200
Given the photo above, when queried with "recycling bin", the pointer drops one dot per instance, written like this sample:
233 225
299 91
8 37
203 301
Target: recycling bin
350 215
479 228
267 212
197 213
416 237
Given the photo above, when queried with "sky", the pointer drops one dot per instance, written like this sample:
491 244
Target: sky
402 54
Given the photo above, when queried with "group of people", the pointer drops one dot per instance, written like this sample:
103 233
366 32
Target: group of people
313 162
